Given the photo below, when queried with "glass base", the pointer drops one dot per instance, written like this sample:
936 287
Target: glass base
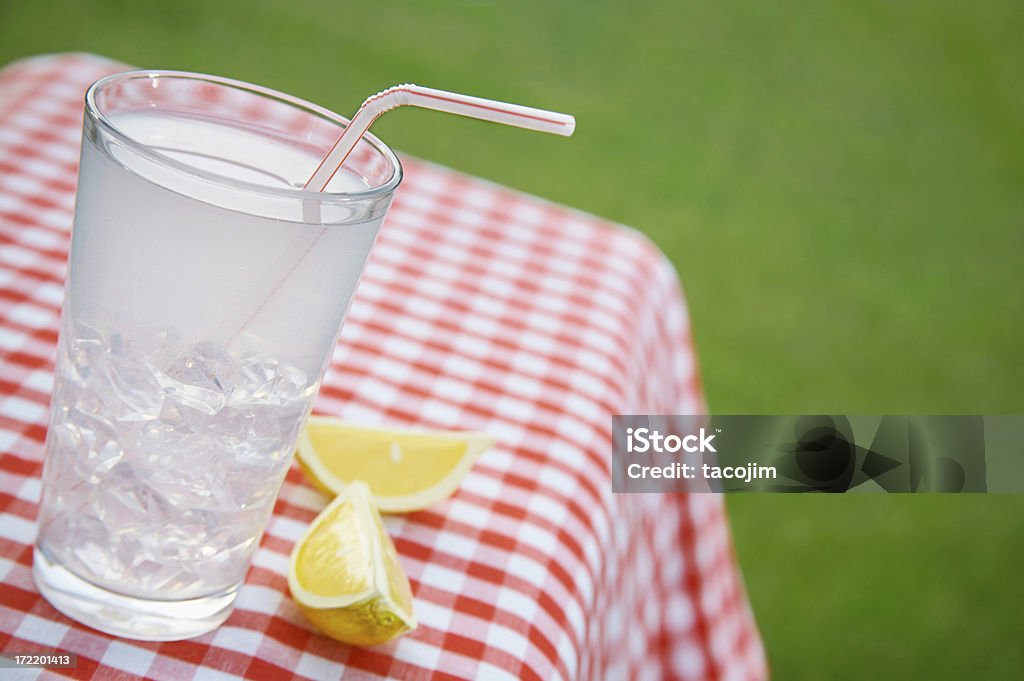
126 616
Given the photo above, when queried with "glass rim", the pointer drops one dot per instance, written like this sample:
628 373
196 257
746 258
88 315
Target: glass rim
93 111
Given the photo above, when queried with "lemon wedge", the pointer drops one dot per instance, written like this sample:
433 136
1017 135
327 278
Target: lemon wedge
345 576
406 470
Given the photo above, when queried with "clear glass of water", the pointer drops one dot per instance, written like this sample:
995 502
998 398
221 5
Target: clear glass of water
205 294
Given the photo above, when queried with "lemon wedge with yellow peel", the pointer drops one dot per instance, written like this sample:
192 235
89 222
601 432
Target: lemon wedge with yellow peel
406 469
345 576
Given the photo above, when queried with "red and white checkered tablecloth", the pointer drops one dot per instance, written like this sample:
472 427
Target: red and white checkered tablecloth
481 308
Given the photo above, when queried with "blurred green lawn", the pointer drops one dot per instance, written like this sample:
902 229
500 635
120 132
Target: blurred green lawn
840 184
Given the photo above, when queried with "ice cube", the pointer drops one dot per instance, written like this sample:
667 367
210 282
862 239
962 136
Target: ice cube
259 375
194 382
135 389
83 345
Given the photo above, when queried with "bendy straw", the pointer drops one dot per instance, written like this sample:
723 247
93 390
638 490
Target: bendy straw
438 100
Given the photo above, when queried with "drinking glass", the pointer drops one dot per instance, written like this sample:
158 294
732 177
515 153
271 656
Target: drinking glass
205 293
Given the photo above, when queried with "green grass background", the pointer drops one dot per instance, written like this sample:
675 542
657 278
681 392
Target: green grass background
840 184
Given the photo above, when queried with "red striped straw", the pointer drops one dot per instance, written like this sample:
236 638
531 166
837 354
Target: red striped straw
438 100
